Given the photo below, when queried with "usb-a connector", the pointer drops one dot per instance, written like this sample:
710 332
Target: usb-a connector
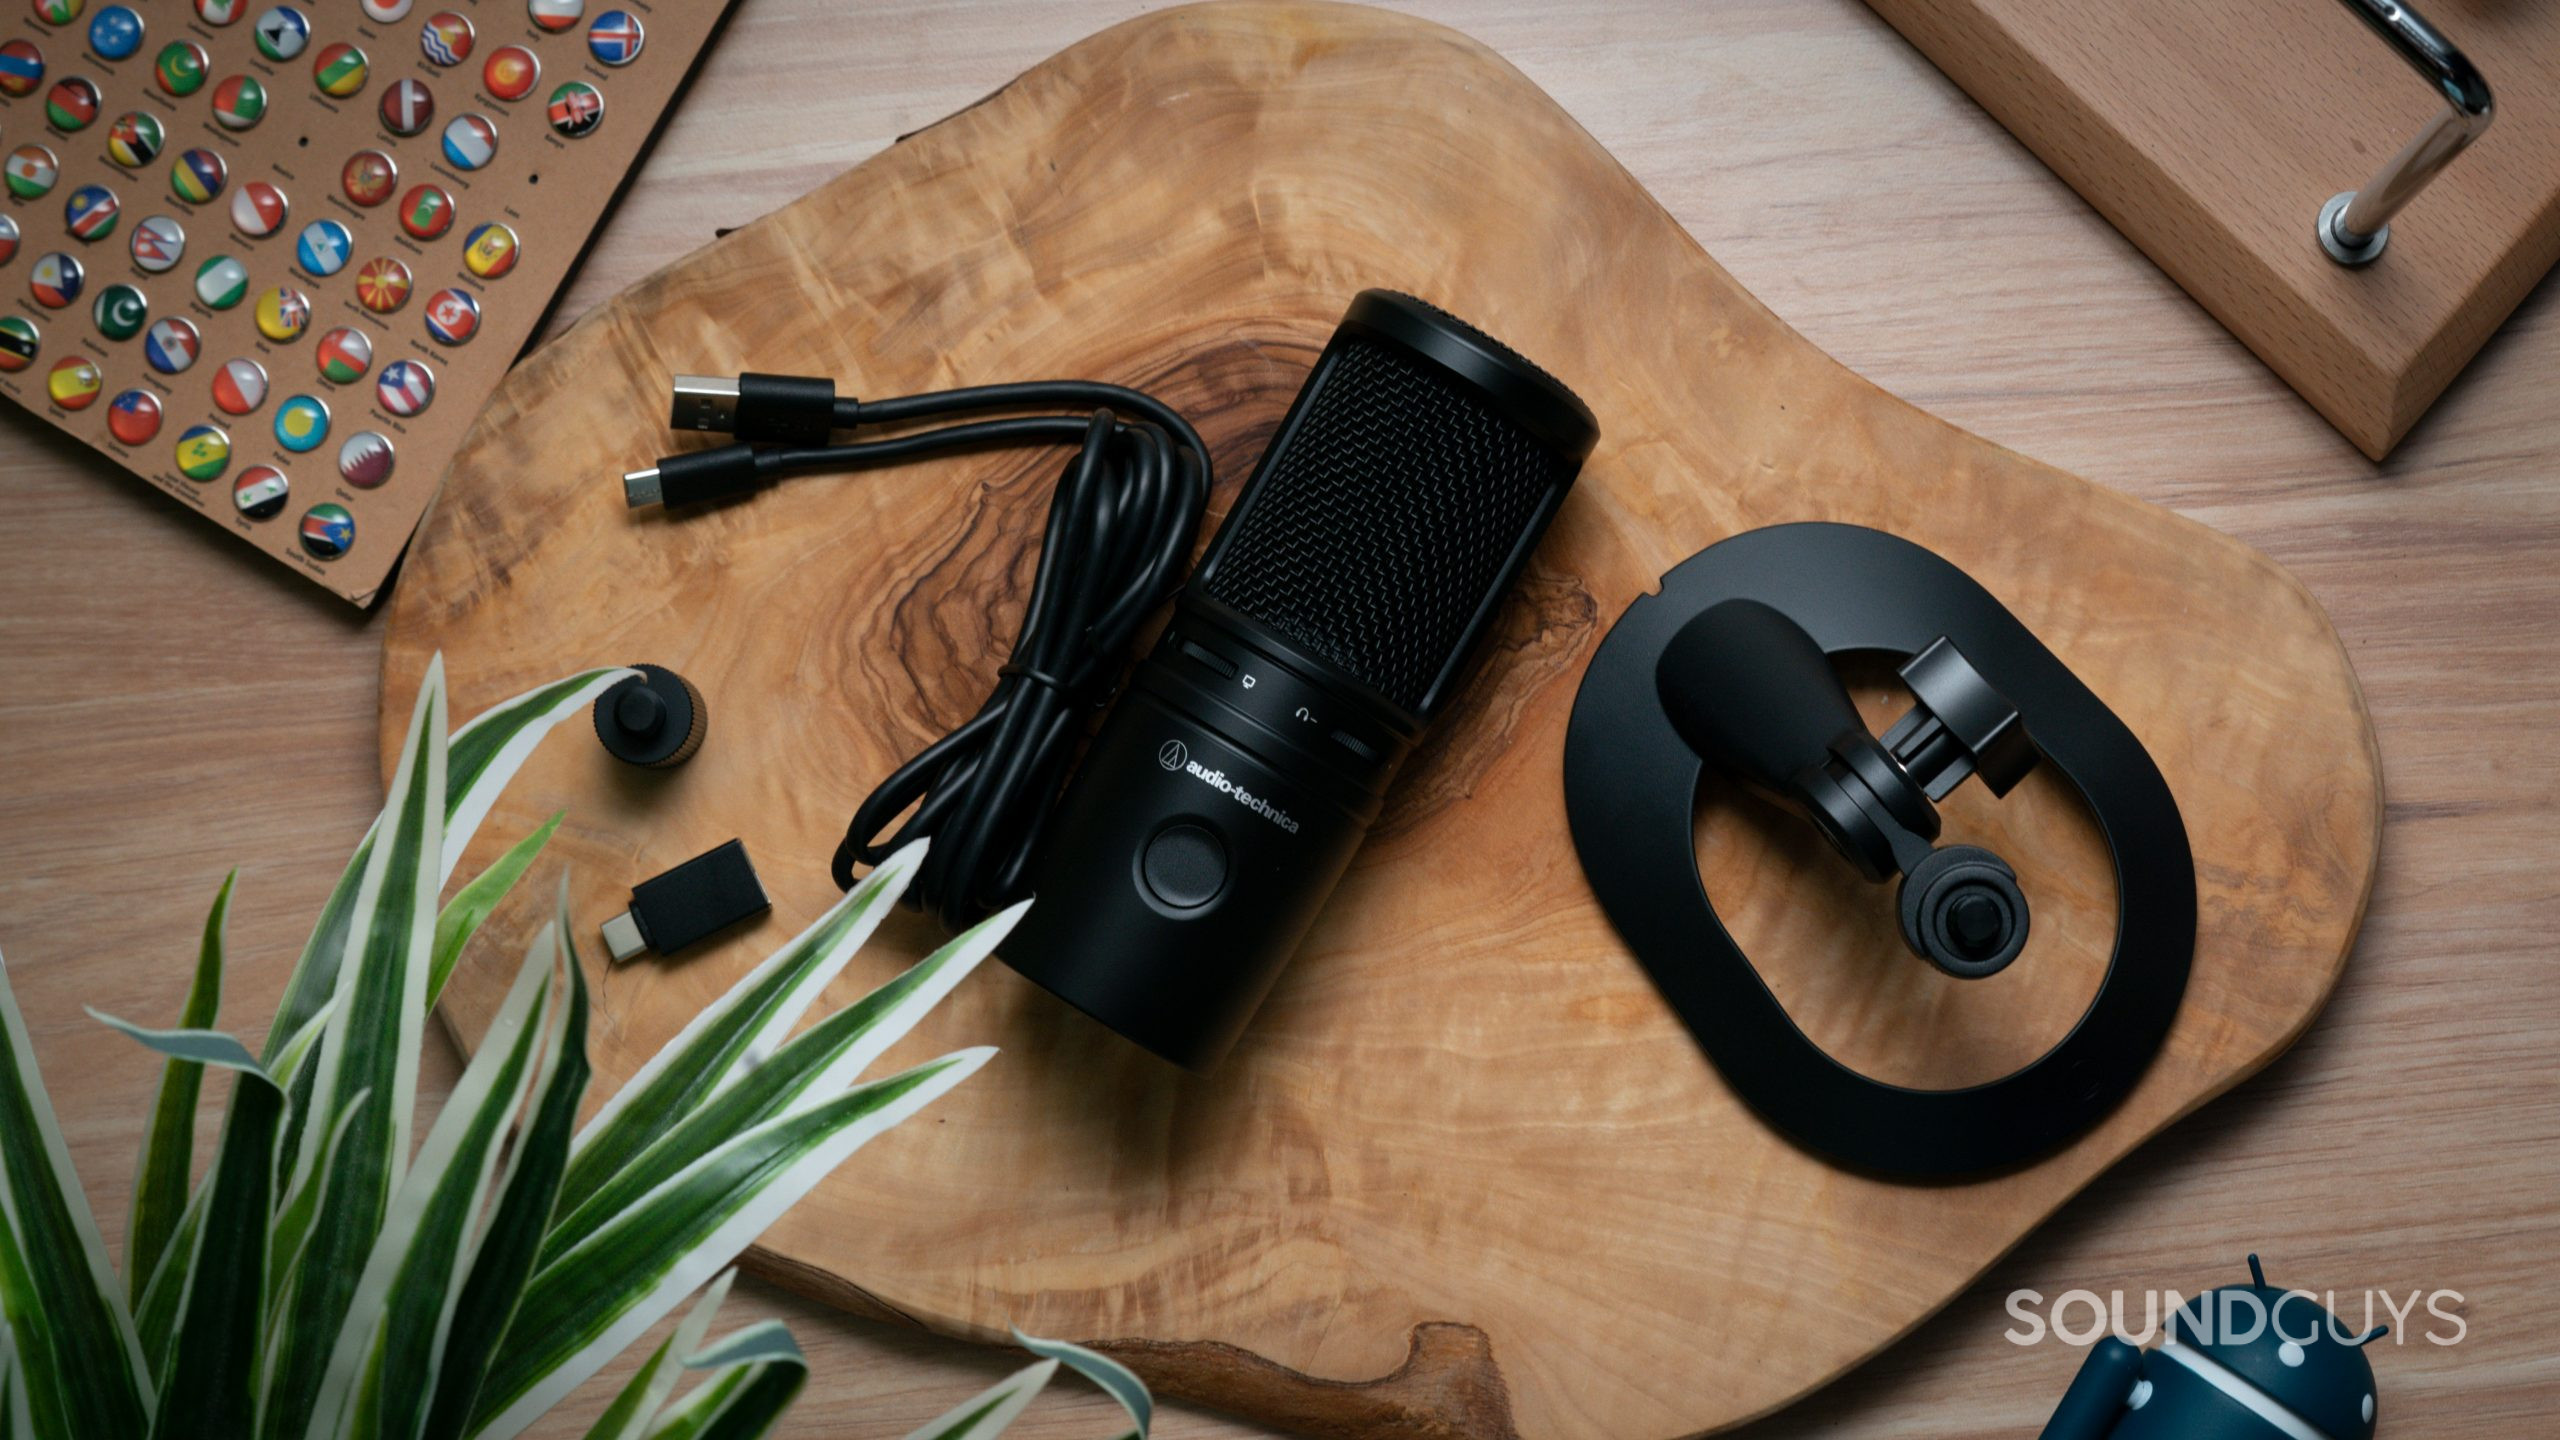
706 402
786 409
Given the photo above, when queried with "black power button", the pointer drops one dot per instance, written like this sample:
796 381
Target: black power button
1185 865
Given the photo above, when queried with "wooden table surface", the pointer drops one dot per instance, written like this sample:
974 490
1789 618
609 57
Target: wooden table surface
172 704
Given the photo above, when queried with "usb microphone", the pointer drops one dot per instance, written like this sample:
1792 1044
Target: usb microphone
1330 622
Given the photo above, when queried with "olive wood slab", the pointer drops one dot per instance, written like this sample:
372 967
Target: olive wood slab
1467 1175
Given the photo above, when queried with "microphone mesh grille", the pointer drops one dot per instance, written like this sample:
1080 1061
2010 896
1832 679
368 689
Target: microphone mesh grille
1389 515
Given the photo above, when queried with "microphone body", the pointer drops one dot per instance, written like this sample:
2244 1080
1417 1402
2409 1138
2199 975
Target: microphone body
1330 622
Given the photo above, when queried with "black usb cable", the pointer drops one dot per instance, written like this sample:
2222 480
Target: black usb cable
1121 529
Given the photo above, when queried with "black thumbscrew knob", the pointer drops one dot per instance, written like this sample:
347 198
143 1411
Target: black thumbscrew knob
655 719
1974 923
1962 911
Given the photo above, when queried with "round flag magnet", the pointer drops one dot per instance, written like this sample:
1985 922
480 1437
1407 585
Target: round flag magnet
218 13
408 107
116 33
576 109
426 212
302 422
239 102
32 171
453 316
180 67
56 280
382 286
90 213
259 492
258 209
383 12
491 251
196 176
58 12
328 531
616 37
405 387
157 243
510 73
446 38
120 312
135 139
340 69
343 355
283 314
470 142
19 342
203 451
172 345
555 15
8 237
282 32
368 178
322 248
21 68
133 417
240 386
222 282
365 460
72 104
74 382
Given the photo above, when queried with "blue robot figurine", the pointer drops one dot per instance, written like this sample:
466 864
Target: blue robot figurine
2290 1376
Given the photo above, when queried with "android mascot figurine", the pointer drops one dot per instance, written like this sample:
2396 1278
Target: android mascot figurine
2293 1374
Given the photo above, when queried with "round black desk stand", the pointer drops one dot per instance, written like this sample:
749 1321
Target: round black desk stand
1688 677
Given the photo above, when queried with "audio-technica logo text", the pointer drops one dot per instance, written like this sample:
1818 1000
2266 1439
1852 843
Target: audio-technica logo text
1176 756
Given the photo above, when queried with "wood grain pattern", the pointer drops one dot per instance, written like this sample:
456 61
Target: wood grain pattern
1466 1175
171 706
2211 134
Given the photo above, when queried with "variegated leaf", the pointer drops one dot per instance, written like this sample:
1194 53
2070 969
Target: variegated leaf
1113 1378
483 756
716 1043
77 1351
396 1324
582 1309
640 1400
208 1383
371 1045
526 1196
167 1162
470 905
991 1411
822 1061
757 1373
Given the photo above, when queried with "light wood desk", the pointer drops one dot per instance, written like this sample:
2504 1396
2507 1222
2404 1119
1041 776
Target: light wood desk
171 704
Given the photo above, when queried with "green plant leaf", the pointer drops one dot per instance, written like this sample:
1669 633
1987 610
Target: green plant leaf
636 1408
991 1411
741 1025
472 904
15 1422
1114 1378
526 1196
288 1238
77 1351
167 1163
821 1061
482 757
761 1372
581 1309
371 1046
208 1383
395 1328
